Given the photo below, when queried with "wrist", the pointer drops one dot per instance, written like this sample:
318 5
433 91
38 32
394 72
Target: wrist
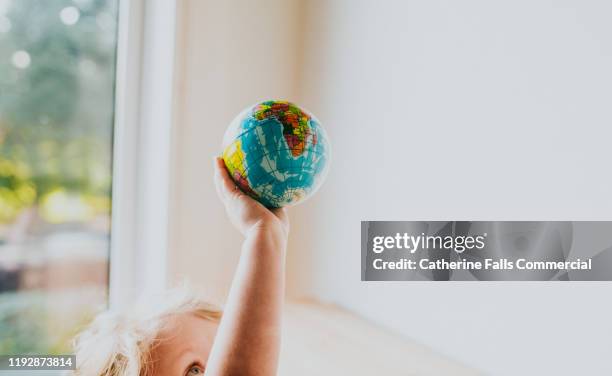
271 224
269 231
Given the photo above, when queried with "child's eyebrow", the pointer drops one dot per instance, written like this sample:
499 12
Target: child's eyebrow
194 363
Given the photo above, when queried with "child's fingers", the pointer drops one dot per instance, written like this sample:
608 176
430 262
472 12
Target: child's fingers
222 179
219 186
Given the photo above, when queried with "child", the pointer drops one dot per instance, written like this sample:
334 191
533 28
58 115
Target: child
182 336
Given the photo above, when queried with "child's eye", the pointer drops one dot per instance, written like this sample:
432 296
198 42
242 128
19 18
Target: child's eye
195 370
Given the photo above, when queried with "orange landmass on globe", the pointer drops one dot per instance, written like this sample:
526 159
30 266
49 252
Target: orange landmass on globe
296 128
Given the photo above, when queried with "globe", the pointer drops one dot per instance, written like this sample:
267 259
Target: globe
277 153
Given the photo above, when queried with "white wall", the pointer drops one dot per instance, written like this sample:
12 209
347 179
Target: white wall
230 54
473 110
441 110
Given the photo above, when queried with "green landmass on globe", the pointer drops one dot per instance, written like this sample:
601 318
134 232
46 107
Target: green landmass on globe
276 153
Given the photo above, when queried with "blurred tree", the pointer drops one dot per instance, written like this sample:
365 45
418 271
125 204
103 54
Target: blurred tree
57 64
57 76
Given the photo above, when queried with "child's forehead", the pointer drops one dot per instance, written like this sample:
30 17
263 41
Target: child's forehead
184 339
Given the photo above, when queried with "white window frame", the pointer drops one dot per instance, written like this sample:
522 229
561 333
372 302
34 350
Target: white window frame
142 148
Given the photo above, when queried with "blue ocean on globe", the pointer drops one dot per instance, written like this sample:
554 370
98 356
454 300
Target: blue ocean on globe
277 153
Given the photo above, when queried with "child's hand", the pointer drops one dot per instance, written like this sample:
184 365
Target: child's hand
244 212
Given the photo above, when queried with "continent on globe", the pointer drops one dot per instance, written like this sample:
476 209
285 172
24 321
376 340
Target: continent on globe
276 153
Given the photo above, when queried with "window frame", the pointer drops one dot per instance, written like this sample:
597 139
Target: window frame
142 148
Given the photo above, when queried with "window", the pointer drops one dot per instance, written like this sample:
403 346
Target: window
57 78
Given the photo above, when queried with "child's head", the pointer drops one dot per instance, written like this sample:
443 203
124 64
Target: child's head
170 335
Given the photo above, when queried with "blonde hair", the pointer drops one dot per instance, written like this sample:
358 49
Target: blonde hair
119 343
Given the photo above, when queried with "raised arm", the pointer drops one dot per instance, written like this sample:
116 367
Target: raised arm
249 335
